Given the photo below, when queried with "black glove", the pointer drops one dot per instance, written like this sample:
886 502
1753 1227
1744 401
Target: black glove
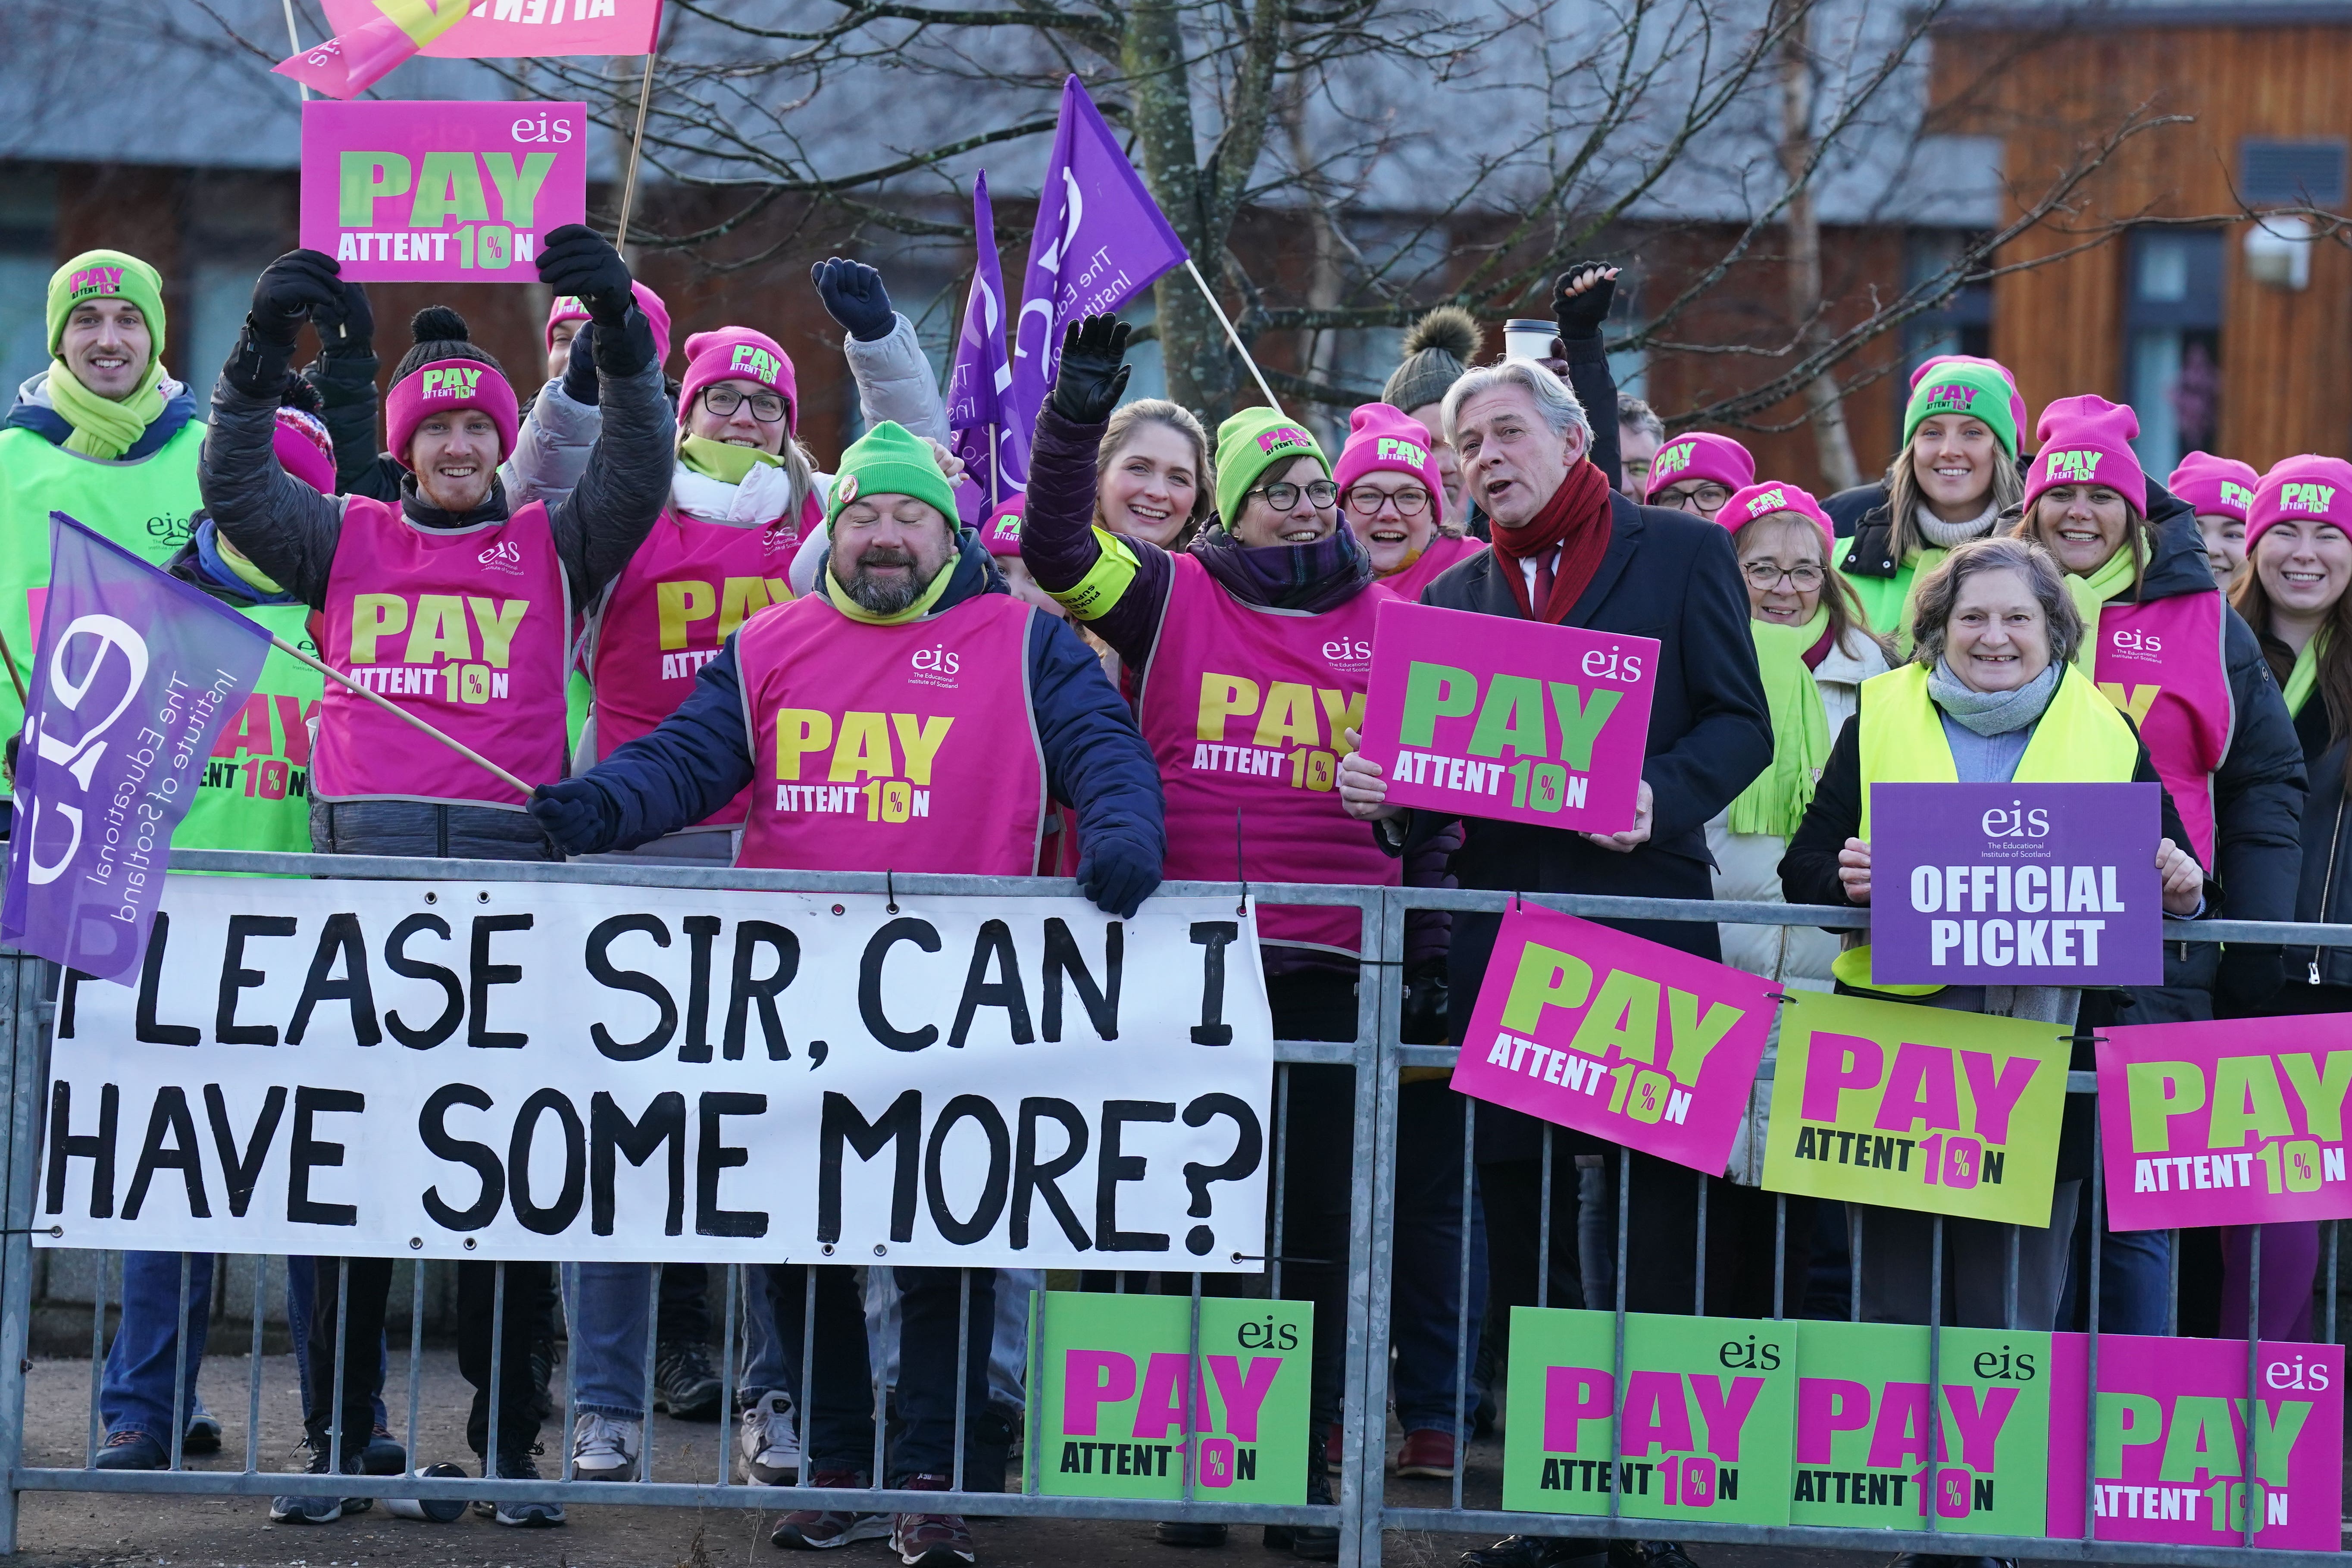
854 296
1092 375
1580 315
347 328
288 289
580 369
577 815
578 261
1118 875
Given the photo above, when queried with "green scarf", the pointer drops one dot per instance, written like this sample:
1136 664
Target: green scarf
2091 594
1776 801
2304 676
838 596
103 427
723 460
1919 563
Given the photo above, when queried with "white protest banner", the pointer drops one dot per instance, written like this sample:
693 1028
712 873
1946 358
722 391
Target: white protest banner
535 1070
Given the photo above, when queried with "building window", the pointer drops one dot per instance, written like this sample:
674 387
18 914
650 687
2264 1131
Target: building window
2172 323
1961 325
2291 174
28 257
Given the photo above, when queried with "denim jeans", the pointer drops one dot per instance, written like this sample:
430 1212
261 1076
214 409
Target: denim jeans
136 1396
606 1304
1427 1261
301 1286
841 1405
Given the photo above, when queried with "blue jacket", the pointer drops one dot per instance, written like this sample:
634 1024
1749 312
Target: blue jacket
699 757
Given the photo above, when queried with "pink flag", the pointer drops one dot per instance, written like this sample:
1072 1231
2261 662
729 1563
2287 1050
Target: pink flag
372 37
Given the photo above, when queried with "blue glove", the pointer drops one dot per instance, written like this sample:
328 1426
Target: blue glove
576 814
1118 875
580 369
854 296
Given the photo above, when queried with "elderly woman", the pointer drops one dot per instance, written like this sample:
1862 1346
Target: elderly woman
1991 696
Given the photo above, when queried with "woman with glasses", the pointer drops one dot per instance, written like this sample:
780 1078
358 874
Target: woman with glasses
1698 473
1814 651
1393 492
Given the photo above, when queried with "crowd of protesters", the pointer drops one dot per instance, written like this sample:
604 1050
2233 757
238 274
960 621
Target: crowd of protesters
1941 625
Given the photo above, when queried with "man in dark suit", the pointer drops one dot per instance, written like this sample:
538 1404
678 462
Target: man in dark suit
1568 551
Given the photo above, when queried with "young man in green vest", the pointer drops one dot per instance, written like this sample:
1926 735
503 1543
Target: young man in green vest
102 435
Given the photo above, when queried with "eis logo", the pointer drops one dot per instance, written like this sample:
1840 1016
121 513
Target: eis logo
505 556
935 666
2128 644
1353 655
2015 822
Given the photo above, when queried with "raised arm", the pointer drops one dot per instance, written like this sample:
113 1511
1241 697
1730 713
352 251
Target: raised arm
894 378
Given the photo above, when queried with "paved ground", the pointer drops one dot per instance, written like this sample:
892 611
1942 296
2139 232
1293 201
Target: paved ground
58 1530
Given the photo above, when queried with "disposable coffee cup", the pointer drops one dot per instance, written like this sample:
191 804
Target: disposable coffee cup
433 1511
1528 339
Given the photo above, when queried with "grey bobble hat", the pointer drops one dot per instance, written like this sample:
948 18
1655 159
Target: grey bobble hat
1437 353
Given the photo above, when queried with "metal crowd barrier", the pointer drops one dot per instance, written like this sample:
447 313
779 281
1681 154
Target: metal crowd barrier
1361 1513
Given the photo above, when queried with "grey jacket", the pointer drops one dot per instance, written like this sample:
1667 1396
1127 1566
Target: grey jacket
291 531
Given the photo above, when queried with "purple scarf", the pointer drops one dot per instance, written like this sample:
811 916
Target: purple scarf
1310 577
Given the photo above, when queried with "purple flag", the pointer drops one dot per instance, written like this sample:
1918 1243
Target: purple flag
1100 240
135 676
977 384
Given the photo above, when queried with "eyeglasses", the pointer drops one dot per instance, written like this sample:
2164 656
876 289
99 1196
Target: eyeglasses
1763 576
1706 497
723 401
1282 495
1366 501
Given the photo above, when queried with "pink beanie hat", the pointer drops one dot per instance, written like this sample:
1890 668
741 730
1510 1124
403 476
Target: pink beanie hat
1000 531
2087 440
2214 486
1702 456
446 386
2307 487
304 449
1382 439
1770 496
733 353
569 309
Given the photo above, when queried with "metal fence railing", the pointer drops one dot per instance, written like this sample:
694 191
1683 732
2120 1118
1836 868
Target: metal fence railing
1362 1511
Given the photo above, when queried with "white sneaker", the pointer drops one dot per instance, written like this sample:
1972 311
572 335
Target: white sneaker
603 1448
770 1440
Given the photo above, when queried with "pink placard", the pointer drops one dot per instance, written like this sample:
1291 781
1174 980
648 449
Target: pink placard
441 192
508 30
2225 1123
1487 716
1642 1045
2173 1448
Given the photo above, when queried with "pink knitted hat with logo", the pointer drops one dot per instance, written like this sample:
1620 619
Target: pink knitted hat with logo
1702 455
304 449
447 386
2307 488
1000 531
1769 496
569 309
2214 487
733 353
2087 440
1386 439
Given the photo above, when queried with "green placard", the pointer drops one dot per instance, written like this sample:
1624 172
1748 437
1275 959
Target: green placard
1704 1422
1108 1414
1863 1427
1917 1108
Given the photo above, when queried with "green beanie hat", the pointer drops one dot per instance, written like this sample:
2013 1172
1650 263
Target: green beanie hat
98 274
1249 444
890 459
1974 387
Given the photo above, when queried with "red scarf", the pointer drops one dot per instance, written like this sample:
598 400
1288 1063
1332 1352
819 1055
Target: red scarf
1576 523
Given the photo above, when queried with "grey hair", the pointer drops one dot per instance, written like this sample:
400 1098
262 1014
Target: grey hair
1633 413
1554 401
1936 592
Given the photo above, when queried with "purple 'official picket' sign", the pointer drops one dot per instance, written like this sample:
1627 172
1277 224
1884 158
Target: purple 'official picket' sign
1508 719
2016 884
135 677
441 191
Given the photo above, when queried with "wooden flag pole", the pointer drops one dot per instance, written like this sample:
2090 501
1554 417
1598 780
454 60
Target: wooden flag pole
1256 375
399 712
24 703
636 146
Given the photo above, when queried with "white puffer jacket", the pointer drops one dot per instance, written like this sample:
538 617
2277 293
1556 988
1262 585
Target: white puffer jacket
1747 869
